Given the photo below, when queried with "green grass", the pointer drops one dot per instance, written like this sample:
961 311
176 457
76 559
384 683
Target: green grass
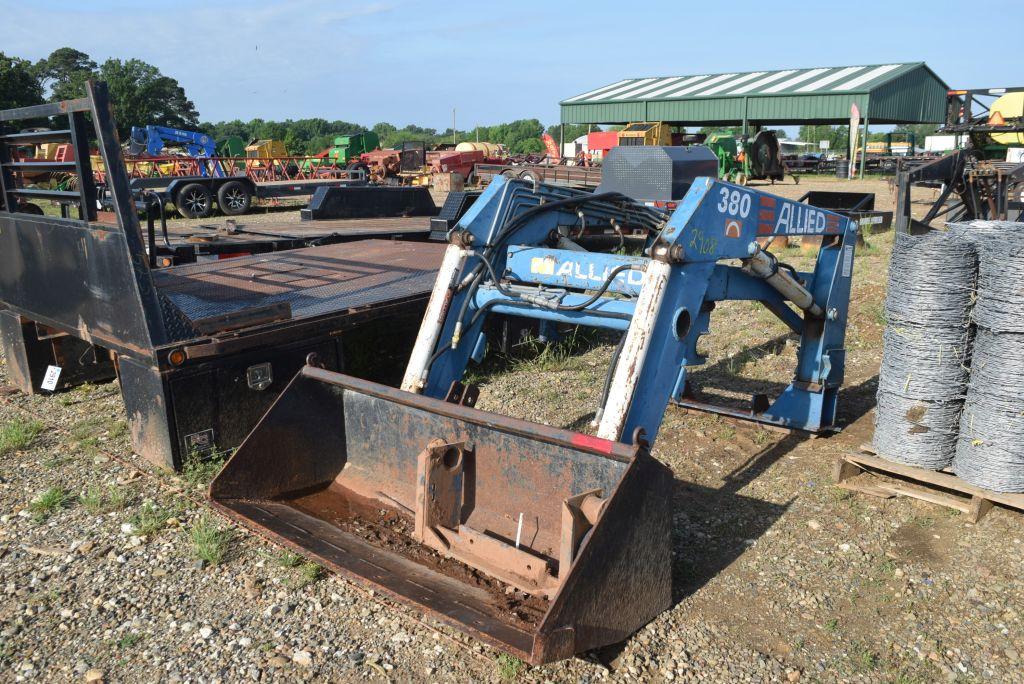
151 518
98 500
302 572
534 355
209 540
832 625
864 659
307 573
878 315
199 469
49 502
925 522
86 434
287 559
129 640
18 434
510 667
867 249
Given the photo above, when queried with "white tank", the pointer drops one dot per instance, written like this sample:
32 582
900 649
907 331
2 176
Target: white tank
489 149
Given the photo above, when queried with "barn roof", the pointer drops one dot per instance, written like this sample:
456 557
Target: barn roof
886 93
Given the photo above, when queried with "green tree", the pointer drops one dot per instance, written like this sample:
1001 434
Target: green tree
735 131
572 131
838 137
384 130
919 131
64 73
141 95
19 86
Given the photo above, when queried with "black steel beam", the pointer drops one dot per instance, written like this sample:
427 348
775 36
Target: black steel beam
45 110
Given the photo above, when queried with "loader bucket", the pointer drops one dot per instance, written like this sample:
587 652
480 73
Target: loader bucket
541 542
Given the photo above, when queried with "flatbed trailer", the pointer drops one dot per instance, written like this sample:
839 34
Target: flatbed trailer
576 176
202 196
175 243
201 350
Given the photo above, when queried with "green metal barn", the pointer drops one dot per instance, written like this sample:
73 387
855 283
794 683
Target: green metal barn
908 93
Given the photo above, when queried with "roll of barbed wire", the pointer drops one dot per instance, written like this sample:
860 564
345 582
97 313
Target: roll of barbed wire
916 432
926 348
925 362
990 448
931 280
1000 303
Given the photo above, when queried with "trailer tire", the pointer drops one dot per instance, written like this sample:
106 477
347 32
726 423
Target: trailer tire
360 166
234 198
29 208
529 176
194 201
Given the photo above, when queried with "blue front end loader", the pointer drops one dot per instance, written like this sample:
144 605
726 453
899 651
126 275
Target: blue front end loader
543 542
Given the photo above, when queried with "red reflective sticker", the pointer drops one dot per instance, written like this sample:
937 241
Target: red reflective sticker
596 443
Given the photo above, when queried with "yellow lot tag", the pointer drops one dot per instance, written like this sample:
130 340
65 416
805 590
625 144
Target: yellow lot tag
542 265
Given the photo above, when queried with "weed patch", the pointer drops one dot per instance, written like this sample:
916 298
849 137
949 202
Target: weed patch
98 500
151 518
209 540
49 502
18 434
199 469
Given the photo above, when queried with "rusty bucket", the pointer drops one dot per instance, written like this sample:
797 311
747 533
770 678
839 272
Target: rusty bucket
541 542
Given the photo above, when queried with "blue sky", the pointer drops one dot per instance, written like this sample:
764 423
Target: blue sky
411 62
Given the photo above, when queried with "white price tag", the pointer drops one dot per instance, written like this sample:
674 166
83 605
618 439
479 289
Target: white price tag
847 261
51 378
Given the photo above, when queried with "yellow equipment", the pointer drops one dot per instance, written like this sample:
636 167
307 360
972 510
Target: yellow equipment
266 149
646 133
1009 106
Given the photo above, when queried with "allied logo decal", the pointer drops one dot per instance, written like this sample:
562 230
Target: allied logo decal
542 265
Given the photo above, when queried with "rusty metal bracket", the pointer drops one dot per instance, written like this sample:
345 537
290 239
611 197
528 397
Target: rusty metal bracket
464 395
438 524
579 514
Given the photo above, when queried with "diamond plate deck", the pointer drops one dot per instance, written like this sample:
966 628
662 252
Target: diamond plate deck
246 231
313 281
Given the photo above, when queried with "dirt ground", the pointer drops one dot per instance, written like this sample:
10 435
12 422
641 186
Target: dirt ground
778 574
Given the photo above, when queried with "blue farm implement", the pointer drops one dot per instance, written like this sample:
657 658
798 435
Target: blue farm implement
543 542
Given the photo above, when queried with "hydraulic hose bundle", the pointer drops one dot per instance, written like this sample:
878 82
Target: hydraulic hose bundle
926 353
990 449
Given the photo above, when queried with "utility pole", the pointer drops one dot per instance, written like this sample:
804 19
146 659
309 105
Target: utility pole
454 141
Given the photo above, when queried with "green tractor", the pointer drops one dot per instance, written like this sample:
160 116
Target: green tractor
740 161
231 146
348 148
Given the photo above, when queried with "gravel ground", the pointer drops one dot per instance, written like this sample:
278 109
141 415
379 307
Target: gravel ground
779 576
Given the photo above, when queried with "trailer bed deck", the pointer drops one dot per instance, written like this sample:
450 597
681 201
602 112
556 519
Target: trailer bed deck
247 231
226 237
312 281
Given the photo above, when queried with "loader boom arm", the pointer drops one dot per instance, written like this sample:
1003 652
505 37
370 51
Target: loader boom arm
514 254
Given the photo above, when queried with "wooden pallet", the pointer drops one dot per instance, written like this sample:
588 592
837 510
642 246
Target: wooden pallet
865 472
